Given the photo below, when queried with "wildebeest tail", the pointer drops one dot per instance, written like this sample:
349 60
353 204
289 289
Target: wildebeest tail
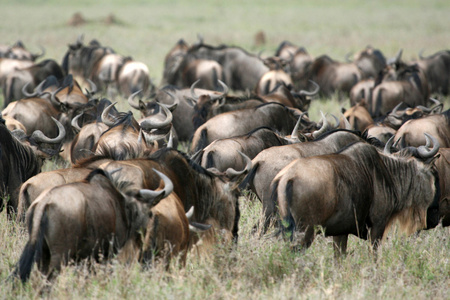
33 249
250 176
203 141
284 201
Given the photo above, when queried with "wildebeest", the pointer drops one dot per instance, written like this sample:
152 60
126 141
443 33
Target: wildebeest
275 76
362 91
33 187
267 164
31 77
134 76
205 70
8 65
437 70
156 119
443 168
98 216
87 62
18 51
354 190
209 104
22 158
399 82
299 60
274 115
437 125
214 196
333 76
398 116
124 139
370 61
241 70
357 116
222 154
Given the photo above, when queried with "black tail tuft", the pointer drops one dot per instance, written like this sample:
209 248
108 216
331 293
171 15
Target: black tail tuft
288 223
202 143
250 176
31 253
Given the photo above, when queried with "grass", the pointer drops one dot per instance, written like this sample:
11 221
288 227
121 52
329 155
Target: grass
259 268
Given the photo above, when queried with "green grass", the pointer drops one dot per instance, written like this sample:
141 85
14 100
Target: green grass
259 268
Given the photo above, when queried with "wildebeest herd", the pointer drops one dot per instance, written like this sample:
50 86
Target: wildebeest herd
243 118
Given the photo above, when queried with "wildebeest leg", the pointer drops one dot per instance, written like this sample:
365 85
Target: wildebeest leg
340 245
307 239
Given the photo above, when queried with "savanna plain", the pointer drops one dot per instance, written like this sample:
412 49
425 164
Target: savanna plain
259 267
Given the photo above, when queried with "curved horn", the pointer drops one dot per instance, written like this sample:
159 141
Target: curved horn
424 108
190 213
198 228
335 120
387 147
395 59
396 108
92 86
194 96
294 133
397 142
435 101
37 90
224 93
176 101
35 56
149 123
230 172
423 150
170 142
133 103
153 197
105 113
74 122
312 93
437 108
39 137
54 99
322 129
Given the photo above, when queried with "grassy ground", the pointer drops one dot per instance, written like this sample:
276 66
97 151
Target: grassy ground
416 267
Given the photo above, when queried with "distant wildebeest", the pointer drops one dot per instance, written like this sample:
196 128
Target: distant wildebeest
31 77
299 60
399 82
93 61
18 51
275 76
437 70
134 76
356 190
241 70
333 76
